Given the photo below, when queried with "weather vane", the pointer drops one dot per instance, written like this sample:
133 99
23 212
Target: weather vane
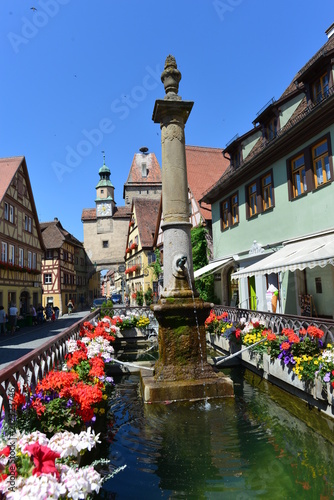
104 157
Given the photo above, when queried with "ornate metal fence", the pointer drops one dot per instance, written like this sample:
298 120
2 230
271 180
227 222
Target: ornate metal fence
276 322
35 365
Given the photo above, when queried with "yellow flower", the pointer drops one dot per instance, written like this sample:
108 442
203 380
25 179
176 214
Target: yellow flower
316 362
96 410
102 410
105 396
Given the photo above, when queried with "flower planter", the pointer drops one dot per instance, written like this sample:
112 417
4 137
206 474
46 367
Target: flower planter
130 333
252 358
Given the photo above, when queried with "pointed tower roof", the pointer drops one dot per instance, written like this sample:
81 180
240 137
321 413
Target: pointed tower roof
104 174
145 170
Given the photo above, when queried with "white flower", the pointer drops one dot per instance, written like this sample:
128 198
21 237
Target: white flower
72 345
69 444
80 482
43 487
34 437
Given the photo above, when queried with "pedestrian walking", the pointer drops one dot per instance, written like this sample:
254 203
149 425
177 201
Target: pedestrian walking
3 318
70 306
40 315
13 314
56 311
33 314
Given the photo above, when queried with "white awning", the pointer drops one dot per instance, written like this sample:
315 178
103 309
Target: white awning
301 254
211 268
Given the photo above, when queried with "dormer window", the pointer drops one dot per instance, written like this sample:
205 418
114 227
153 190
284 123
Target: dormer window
271 129
236 158
144 170
320 88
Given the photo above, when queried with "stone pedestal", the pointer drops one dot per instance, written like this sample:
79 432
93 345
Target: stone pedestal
182 371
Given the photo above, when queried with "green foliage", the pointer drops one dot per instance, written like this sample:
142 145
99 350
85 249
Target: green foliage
204 286
107 309
58 417
148 296
140 298
83 370
156 266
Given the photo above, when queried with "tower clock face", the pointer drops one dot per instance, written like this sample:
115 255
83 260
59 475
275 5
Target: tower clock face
103 209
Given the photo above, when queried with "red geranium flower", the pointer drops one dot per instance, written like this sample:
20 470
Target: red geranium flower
271 336
285 346
44 459
313 331
293 338
287 331
38 407
18 399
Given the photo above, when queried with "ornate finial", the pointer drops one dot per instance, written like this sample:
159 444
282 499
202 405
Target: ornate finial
171 76
104 157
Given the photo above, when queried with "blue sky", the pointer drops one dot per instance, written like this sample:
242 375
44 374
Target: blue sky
79 77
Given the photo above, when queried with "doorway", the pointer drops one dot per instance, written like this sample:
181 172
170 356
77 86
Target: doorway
252 293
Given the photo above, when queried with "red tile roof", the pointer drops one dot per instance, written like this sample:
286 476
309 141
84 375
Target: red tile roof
205 166
146 218
54 235
324 53
120 212
8 168
153 169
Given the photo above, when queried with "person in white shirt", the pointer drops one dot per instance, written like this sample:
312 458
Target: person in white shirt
13 314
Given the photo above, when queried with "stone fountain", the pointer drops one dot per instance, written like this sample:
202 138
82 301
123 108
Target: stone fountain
182 371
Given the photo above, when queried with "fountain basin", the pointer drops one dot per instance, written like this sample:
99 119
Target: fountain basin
216 386
182 371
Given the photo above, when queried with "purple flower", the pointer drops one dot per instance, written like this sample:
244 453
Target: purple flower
286 360
69 403
327 377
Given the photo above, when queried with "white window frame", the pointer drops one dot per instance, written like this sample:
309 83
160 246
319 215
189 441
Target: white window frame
29 259
47 279
11 254
11 214
4 251
21 257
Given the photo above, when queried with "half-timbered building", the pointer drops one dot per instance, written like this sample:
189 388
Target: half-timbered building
21 241
60 277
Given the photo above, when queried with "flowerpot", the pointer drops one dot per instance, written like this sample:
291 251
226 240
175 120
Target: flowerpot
252 358
319 390
224 344
280 371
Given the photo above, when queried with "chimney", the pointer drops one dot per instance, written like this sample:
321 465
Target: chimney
330 31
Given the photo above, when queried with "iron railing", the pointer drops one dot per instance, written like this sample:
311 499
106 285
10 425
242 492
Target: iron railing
32 367
276 322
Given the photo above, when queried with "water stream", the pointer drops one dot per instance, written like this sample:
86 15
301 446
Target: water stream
243 448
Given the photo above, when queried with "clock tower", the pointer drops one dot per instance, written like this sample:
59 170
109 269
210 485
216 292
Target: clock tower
105 203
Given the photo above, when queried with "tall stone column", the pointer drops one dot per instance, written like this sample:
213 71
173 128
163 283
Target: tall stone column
182 371
172 114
